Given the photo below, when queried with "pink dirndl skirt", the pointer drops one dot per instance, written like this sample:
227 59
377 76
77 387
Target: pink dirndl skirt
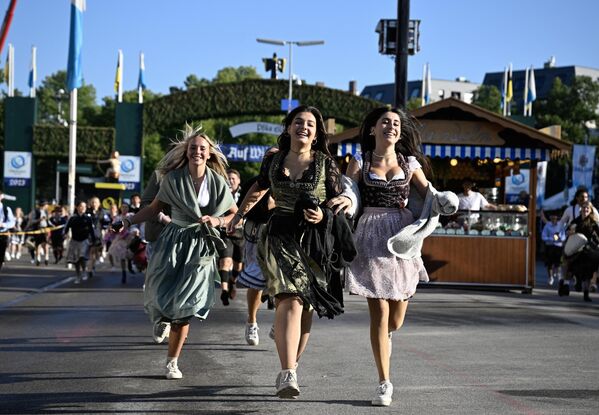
376 272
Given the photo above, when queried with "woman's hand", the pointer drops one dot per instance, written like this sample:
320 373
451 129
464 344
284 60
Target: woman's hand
211 221
339 203
164 219
313 216
234 223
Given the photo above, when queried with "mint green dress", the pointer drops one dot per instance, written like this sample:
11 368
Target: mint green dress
182 270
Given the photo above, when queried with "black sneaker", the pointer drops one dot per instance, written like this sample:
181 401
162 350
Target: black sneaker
224 297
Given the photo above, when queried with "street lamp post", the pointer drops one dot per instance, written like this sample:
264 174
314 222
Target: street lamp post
290 43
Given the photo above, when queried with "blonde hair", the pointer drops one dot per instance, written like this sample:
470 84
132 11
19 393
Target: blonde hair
177 155
592 215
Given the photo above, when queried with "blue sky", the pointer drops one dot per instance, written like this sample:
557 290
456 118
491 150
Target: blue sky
181 37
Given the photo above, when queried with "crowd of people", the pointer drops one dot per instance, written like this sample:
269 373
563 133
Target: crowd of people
81 240
297 235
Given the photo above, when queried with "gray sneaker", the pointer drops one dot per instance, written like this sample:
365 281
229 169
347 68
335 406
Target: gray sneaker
288 387
161 331
384 394
251 334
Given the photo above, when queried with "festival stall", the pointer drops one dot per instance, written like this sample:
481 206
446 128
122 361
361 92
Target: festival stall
494 248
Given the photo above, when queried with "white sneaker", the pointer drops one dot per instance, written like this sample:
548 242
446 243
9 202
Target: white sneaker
384 394
172 371
161 331
288 387
271 333
390 343
251 334
101 260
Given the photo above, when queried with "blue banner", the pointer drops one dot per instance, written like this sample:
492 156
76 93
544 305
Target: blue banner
583 161
244 152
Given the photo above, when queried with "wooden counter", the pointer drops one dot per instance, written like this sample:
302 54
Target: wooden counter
463 259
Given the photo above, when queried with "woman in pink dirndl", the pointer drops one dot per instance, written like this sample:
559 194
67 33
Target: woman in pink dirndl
391 160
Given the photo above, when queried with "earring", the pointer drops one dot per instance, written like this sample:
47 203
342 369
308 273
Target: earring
314 142
372 131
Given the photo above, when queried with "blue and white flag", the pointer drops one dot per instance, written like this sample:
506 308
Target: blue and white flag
74 69
428 88
32 72
141 83
531 96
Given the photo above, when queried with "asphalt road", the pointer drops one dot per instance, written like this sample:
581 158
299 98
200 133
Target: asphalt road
87 349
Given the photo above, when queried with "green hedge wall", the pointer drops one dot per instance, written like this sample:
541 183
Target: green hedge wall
92 142
251 97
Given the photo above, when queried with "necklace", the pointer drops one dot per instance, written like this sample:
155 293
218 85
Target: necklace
197 181
381 156
300 152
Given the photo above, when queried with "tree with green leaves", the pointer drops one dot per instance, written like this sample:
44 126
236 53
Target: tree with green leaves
192 81
573 107
241 73
53 93
488 97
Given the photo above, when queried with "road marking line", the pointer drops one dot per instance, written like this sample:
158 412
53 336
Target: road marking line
35 292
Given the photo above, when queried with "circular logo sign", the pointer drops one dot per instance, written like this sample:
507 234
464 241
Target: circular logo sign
518 179
127 166
17 162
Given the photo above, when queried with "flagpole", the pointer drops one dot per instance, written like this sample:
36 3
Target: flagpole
120 77
505 92
72 150
10 76
423 85
140 91
525 106
33 74
509 103
74 81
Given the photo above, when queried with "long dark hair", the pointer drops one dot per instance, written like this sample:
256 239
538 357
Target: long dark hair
410 142
321 142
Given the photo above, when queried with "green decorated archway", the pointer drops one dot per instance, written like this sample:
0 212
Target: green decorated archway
251 97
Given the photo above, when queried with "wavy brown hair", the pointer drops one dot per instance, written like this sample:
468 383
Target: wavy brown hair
410 142
321 141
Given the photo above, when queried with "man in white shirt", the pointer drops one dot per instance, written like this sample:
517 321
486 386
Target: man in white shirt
7 222
573 211
472 200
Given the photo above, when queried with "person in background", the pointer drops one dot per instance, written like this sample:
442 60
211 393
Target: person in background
135 205
471 199
101 221
7 222
82 232
585 263
119 247
16 241
553 235
38 220
231 258
113 172
57 235
573 211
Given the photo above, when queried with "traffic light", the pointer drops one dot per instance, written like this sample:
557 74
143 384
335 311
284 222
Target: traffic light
281 65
